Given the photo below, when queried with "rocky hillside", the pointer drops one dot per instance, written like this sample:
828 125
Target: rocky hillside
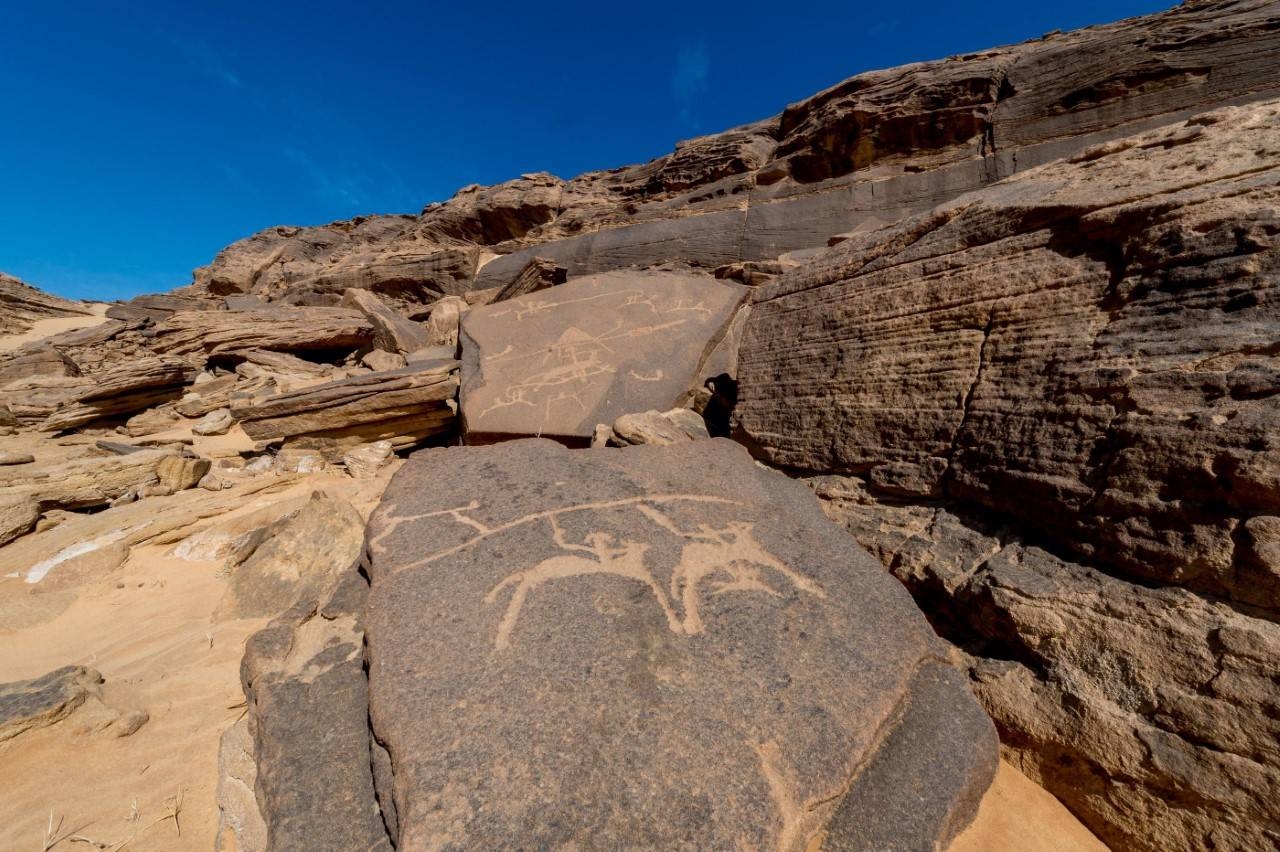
22 305
807 487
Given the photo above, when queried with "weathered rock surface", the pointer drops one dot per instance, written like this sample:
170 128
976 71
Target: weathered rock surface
656 427
558 362
650 648
126 389
1148 711
364 461
391 331
303 675
1088 348
45 700
404 406
538 274
210 334
216 422
1085 352
18 516
83 483
868 151
35 360
21 305
297 560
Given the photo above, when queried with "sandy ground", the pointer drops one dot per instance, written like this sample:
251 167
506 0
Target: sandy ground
148 628
1017 815
46 327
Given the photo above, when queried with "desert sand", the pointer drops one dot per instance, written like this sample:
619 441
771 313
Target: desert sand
41 329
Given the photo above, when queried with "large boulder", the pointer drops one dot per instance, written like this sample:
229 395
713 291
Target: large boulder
557 362
653 647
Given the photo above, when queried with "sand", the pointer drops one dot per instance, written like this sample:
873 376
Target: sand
148 628
1017 815
55 325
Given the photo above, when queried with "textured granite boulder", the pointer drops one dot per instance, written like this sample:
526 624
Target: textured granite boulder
557 362
652 647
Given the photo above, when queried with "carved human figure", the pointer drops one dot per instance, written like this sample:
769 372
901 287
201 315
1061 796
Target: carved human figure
607 556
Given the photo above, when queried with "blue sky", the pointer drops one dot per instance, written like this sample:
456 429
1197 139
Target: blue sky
139 138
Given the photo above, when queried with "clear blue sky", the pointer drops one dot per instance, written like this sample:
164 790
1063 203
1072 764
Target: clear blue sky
139 138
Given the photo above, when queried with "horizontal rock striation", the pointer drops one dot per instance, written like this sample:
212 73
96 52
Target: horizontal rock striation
21 305
404 406
870 150
1088 352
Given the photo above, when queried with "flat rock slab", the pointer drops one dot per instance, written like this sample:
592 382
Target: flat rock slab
403 406
652 647
557 362
44 700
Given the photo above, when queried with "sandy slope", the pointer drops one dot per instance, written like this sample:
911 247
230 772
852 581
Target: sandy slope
148 628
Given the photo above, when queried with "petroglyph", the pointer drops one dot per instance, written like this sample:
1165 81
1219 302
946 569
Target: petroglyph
459 514
592 349
625 559
728 558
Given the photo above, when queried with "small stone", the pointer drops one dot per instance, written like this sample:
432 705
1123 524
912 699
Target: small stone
365 461
212 482
217 422
378 360
8 458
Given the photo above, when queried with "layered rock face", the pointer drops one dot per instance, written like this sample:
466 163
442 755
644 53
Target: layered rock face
21 305
1086 352
650 648
868 151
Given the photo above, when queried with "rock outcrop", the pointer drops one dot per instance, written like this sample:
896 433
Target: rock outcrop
868 151
21 305
404 406
1087 352
231 334
1011 315
651 647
